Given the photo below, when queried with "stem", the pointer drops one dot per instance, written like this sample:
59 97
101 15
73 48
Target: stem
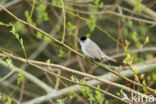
64 16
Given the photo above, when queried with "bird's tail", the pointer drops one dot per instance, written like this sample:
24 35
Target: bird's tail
114 62
107 58
110 61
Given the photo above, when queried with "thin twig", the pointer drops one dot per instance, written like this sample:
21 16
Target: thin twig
82 84
64 16
108 76
31 78
107 12
69 70
66 46
6 76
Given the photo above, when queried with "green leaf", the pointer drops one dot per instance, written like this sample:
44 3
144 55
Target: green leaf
83 81
106 102
27 15
101 5
72 78
136 78
98 95
42 14
20 28
39 35
153 75
13 30
101 101
9 101
125 31
88 35
71 94
83 90
29 20
91 26
123 19
56 2
9 62
60 101
135 69
91 97
142 76
146 40
71 26
61 53
130 23
97 2
48 61
1 23
47 39
20 76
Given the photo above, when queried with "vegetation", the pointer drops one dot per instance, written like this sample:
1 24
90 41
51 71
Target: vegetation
41 61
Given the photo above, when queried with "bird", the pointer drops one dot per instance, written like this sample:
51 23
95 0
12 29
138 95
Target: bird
91 50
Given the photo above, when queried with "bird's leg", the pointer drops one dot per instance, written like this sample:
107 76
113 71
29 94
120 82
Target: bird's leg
87 64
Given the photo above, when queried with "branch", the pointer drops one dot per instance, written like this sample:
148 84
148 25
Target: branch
46 34
3 95
144 8
6 76
38 82
70 70
66 46
11 3
12 86
82 84
105 12
145 49
77 88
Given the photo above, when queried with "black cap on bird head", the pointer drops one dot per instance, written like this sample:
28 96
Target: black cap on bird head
83 38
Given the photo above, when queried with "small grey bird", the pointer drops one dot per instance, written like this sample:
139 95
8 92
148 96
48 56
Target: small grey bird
91 49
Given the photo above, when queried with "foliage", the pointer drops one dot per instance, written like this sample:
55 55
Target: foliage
50 29
20 76
13 31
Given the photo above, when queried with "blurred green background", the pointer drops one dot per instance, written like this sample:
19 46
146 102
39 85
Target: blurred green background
101 20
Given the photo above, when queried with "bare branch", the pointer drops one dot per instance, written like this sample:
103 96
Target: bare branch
38 82
108 76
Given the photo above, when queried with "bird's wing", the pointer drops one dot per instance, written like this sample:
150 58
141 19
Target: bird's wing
93 50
